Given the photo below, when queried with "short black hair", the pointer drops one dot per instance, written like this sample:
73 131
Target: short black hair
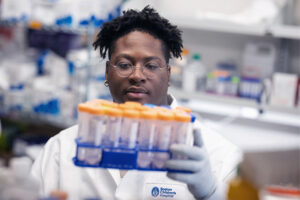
148 21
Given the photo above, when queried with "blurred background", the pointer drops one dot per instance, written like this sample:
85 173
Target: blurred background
239 71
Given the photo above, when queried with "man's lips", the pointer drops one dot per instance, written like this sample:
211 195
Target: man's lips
136 93
133 95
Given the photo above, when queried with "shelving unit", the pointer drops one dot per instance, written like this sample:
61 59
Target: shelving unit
234 104
219 26
236 107
37 25
181 94
285 31
34 119
274 30
42 119
224 39
278 109
232 100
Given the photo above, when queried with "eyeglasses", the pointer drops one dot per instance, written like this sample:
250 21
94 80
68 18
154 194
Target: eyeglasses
125 69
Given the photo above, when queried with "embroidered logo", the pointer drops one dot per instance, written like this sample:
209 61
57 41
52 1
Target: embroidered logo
155 191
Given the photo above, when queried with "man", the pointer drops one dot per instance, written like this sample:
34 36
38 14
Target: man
139 46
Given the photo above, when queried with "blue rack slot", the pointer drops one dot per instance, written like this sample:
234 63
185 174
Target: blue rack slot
119 158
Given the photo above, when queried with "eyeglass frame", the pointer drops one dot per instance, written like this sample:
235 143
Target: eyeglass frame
133 67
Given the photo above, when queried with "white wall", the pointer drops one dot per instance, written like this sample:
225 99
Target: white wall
215 46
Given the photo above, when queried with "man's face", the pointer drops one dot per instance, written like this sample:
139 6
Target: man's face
138 49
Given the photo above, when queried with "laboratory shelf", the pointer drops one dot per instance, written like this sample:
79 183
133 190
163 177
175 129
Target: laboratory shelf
219 26
283 117
181 94
31 118
5 23
281 109
261 29
285 31
237 107
50 28
65 29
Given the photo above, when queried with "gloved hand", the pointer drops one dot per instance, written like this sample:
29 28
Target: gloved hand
200 182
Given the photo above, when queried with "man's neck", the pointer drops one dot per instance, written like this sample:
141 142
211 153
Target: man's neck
169 99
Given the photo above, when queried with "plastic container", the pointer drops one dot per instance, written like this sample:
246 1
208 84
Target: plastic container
97 125
131 136
181 127
298 104
161 109
129 130
110 104
185 109
250 88
259 60
211 82
132 105
83 128
240 188
164 134
142 108
100 102
146 138
113 129
103 103
222 85
177 67
194 76
233 86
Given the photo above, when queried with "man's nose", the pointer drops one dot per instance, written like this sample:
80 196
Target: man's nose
137 73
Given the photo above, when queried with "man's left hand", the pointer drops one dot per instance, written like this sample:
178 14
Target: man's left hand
200 181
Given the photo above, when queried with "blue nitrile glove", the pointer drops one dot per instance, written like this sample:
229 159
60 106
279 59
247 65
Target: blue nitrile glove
200 182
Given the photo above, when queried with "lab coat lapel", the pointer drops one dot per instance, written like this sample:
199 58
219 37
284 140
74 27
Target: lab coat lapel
102 181
131 186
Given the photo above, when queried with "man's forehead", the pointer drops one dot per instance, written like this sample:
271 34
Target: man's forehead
130 57
138 38
138 44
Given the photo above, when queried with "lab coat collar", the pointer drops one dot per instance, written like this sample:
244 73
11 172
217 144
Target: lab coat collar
174 102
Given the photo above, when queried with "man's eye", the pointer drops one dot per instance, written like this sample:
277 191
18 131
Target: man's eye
151 67
124 66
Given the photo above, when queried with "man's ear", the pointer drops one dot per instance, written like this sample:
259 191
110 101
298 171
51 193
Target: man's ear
169 74
106 70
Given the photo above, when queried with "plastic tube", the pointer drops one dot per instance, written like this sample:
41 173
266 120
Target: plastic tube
83 128
182 122
181 128
164 133
113 129
146 138
129 128
97 126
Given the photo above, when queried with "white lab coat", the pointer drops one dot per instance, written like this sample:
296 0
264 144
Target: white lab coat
54 170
